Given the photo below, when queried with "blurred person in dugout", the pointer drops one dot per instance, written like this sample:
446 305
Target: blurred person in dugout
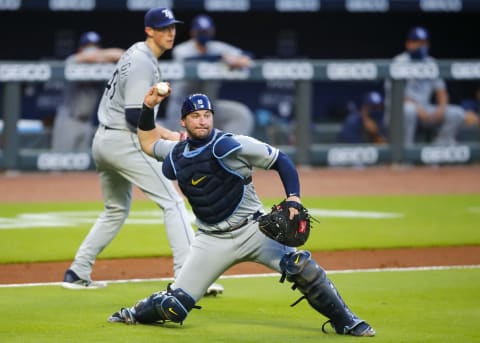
74 122
472 103
275 115
233 116
419 112
365 124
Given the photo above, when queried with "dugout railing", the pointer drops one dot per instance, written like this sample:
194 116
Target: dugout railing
302 72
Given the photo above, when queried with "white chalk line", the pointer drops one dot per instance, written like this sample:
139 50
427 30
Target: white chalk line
63 219
244 276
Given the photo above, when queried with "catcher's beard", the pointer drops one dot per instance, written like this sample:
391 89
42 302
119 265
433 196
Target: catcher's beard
199 134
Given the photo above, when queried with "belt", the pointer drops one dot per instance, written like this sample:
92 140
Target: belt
254 217
113 128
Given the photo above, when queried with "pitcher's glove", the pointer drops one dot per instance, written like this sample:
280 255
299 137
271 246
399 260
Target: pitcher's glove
278 226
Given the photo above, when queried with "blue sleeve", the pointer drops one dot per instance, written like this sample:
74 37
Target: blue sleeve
132 115
288 174
167 169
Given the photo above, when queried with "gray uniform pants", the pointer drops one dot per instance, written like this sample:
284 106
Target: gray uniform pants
453 120
121 164
71 135
211 255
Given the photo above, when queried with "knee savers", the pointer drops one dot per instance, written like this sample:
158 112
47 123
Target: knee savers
299 268
164 306
310 279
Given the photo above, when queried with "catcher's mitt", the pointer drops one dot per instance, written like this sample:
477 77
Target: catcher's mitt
279 227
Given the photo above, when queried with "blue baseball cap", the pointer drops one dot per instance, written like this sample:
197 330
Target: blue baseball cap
196 102
90 37
418 33
160 17
372 99
202 22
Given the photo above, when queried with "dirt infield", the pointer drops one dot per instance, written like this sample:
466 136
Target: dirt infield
39 187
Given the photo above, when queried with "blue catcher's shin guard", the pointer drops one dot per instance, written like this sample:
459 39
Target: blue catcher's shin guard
310 279
169 305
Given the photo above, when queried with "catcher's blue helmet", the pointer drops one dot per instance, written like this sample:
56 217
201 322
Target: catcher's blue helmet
195 102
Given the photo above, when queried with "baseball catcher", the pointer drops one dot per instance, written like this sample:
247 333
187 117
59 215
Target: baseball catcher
214 171
278 226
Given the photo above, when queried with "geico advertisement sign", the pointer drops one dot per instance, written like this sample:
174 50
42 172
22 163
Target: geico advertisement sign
288 70
11 5
297 5
352 156
352 71
227 5
207 71
172 71
145 5
94 71
25 72
441 5
465 70
71 5
404 70
63 161
367 5
452 154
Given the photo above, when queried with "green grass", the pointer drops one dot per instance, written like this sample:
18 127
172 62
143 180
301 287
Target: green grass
434 220
414 306
410 306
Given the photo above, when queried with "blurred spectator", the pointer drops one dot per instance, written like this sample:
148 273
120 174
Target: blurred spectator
231 116
275 112
473 103
445 119
74 121
365 125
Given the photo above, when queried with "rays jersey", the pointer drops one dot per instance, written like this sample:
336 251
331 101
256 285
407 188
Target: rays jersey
420 90
252 153
134 74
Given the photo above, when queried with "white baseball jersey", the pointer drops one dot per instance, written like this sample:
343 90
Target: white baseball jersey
420 90
135 73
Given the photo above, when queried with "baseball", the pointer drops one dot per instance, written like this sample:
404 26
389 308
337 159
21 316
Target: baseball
162 88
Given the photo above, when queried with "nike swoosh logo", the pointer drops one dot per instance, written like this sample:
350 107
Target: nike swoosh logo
197 181
172 311
297 259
